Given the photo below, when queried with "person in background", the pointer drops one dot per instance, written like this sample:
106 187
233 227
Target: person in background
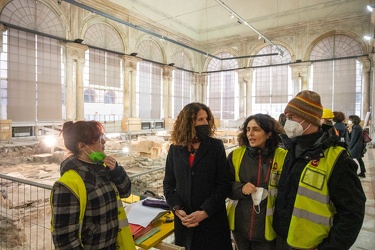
254 170
320 202
356 144
101 175
196 182
282 119
339 119
326 120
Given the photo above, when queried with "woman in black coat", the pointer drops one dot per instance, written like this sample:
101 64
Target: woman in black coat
197 182
356 143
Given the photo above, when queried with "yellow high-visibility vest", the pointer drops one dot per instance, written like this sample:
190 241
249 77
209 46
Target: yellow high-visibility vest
74 182
276 168
313 210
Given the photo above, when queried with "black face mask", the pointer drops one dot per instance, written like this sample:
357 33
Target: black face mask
202 131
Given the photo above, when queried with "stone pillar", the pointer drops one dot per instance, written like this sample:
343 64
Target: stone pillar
74 57
129 106
243 79
3 28
249 91
300 76
80 109
202 88
365 71
194 89
167 91
3 108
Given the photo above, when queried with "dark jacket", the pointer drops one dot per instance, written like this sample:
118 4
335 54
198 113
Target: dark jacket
343 133
100 222
356 142
344 186
204 186
254 168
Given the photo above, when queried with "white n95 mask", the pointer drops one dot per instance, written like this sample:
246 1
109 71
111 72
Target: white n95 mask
294 129
257 197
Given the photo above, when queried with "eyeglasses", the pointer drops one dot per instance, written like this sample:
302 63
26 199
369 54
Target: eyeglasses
101 138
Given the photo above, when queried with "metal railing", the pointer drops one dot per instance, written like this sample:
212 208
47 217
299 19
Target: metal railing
25 212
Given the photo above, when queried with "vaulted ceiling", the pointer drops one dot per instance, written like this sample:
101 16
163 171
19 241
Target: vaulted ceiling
208 20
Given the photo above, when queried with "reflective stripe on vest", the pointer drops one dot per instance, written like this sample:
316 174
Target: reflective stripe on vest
275 173
124 240
313 211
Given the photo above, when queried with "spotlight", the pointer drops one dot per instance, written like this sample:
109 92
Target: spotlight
171 64
133 54
80 41
231 16
367 37
371 7
239 21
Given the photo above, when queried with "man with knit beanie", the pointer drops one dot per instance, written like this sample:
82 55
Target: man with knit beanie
320 202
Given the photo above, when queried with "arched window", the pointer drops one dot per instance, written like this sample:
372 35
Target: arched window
272 86
149 85
222 92
109 97
182 82
89 96
34 65
338 82
103 73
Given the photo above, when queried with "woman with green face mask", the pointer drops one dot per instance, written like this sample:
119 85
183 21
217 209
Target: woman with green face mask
101 176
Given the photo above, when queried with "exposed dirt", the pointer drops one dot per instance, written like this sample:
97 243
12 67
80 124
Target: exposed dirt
35 163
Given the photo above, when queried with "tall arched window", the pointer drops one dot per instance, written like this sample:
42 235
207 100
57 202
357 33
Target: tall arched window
33 81
182 82
222 92
338 82
103 72
272 86
149 88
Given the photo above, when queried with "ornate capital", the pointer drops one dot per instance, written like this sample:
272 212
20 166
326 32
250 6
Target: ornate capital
366 65
130 62
300 69
75 51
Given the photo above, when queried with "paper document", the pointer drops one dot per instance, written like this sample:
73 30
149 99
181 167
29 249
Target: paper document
143 215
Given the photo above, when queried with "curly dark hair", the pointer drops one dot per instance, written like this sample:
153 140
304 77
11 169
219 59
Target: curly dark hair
183 128
338 116
268 124
87 132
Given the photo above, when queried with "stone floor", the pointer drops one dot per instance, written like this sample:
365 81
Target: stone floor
366 238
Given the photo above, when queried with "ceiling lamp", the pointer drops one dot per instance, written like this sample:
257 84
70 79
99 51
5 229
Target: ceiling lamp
371 7
240 20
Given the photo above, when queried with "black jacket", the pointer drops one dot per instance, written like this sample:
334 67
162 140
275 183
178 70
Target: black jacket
344 186
204 186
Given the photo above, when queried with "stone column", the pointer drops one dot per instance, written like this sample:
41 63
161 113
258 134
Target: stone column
74 52
194 89
243 79
300 76
249 91
3 28
365 71
80 109
129 120
202 88
3 115
167 91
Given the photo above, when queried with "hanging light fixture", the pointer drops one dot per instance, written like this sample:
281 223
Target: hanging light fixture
240 20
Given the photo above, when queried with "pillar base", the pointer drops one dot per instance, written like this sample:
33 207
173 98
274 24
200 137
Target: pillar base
131 124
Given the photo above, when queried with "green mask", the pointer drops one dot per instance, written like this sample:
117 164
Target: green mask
96 157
